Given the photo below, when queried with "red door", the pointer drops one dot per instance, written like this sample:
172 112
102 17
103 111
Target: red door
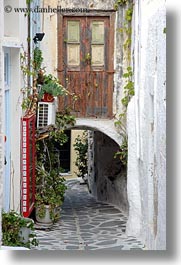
86 55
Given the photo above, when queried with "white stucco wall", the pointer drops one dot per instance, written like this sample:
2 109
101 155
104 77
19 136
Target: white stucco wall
13 40
147 127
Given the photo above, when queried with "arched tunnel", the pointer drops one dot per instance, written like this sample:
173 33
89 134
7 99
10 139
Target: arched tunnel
107 176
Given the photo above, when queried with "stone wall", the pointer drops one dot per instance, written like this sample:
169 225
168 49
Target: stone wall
147 127
107 177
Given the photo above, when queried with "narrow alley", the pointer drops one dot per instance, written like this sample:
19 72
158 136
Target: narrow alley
87 224
83 96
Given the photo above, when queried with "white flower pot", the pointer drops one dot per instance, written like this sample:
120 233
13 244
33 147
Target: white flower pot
25 231
46 219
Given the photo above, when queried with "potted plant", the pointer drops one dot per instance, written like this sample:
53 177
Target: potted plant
51 88
50 189
17 231
50 185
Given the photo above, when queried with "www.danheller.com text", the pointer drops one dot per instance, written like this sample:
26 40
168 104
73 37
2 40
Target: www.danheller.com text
48 9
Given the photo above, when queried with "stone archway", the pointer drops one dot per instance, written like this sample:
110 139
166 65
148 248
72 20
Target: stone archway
105 126
107 177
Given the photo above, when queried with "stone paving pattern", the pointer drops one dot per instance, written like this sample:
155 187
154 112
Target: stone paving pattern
87 224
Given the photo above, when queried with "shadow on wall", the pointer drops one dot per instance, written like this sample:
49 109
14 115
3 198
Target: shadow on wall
107 176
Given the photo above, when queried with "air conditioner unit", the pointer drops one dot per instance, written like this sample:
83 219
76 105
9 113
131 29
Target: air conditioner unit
46 114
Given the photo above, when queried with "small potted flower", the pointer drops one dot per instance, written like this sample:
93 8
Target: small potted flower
17 231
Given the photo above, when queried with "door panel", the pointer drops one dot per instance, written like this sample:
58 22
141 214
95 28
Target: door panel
87 66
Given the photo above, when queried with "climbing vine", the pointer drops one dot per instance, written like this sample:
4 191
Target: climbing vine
37 59
30 67
120 3
64 119
128 87
122 153
27 71
126 30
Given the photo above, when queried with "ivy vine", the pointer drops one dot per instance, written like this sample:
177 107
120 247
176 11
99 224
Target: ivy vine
120 3
122 153
37 59
128 88
127 30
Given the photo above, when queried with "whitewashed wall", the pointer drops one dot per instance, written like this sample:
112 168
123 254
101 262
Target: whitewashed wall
147 127
14 38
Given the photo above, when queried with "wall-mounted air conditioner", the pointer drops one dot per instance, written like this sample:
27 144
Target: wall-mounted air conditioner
46 114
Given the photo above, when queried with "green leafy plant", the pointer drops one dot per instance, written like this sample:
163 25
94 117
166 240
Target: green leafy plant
81 148
37 59
121 3
51 85
12 224
128 88
64 119
50 186
87 58
122 153
27 72
29 68
26 103
46 150
129 13
56 136
128 75
50 189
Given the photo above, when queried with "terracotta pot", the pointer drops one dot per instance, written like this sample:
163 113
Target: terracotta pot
47 98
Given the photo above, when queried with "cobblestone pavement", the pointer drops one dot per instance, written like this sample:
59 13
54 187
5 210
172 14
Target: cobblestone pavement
86 224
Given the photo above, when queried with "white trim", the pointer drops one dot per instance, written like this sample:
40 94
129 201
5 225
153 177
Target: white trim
10 42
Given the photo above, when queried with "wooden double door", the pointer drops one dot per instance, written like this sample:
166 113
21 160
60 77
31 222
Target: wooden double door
86 64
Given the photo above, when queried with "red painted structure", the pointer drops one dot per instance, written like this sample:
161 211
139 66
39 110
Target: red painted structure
28 164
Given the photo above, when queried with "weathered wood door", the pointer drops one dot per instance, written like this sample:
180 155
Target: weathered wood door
86 65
